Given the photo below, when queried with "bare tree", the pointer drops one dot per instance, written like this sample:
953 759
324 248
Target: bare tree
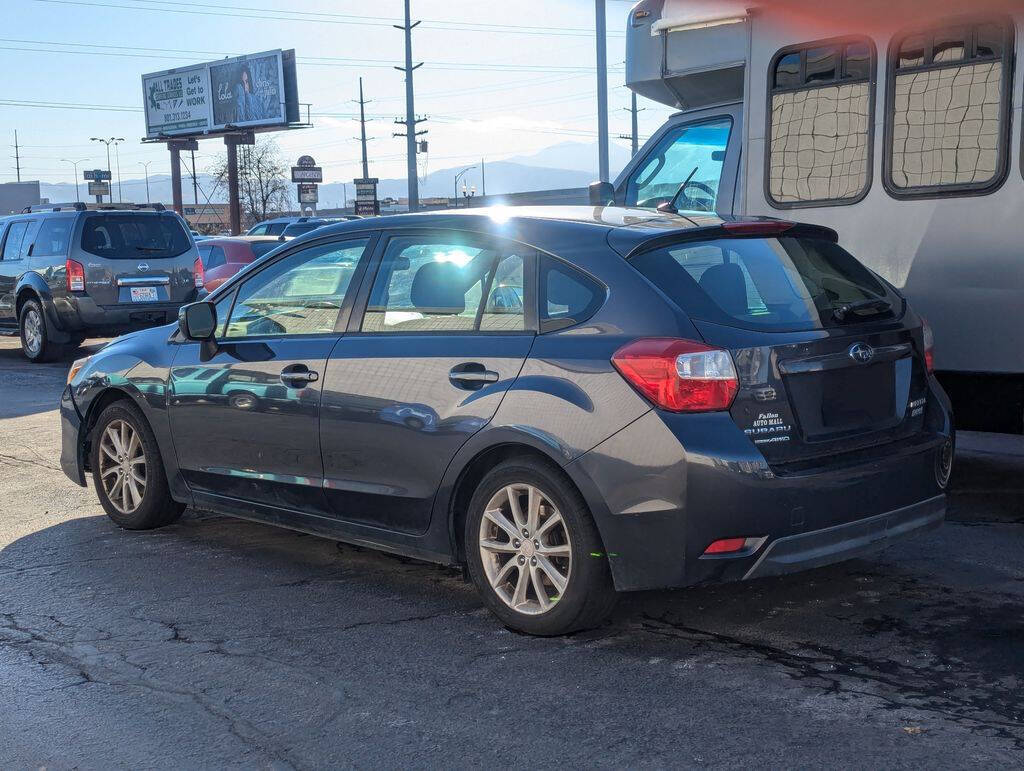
263 187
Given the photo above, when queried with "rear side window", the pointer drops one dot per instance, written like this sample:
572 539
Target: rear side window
53 237
133 236
567 297
259 248
299 228
771 284
276 228
213 257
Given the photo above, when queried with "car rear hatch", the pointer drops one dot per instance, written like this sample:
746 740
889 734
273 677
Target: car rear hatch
137 258
828 358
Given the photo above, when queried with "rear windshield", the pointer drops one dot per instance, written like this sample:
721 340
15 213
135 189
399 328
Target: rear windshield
259 248
131 236
774 284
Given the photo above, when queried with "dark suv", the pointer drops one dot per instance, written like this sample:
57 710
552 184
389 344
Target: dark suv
568 402
67 272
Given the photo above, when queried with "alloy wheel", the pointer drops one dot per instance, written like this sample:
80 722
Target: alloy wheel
123 466
525 549
33 331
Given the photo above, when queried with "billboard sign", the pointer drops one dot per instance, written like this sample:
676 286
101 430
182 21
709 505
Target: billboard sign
97 175
367 208
307 174
99 188
308 193
242 92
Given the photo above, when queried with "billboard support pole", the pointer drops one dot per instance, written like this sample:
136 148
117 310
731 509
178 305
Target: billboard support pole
176 176
234 206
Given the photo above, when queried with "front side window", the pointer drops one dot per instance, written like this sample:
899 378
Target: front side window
259 230
696 153
819 124
301 294
13 242
771 284
948 119
135 236
447 285
53 237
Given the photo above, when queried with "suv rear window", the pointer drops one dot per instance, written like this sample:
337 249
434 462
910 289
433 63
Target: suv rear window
131 236
771 284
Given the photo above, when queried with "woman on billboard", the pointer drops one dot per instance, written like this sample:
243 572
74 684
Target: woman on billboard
248 106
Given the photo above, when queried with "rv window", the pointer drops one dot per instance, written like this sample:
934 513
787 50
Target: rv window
947 111
819 139
695 152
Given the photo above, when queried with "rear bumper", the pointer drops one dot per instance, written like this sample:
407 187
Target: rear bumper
81 313
793 553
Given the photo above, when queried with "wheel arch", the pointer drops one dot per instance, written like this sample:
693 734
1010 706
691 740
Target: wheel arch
92 414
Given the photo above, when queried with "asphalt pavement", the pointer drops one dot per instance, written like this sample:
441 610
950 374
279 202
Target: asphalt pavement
217 642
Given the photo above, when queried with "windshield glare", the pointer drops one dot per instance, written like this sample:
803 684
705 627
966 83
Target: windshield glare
777 284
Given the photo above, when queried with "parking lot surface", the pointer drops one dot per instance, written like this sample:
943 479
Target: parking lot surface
219 642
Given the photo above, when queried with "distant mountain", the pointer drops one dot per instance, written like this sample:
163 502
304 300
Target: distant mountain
568 164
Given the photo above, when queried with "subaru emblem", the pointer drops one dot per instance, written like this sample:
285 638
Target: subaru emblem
861 353
143 267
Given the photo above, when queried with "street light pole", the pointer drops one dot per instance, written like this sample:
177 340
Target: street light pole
108 142
457 178
75 165
145 165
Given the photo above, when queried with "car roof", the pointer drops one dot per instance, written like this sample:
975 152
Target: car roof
623 228
243 239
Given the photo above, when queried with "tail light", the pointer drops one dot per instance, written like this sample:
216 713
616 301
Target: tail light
929 346
679 375
198 274
74 275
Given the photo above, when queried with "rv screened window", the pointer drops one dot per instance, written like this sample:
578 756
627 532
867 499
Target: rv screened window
947 116
819 138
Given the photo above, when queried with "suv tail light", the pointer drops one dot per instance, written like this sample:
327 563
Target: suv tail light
198 274
74 276
679 375
929 346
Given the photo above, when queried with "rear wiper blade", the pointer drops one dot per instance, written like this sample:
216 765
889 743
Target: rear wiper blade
841 312
150 248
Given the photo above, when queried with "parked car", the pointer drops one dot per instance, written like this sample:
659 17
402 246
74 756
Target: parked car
271 227
303 225
568 402
224 257
67 273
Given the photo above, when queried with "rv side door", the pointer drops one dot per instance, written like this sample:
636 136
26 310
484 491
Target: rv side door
703 147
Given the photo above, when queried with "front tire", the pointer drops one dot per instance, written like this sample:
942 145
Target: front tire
128 471
534 552
35 340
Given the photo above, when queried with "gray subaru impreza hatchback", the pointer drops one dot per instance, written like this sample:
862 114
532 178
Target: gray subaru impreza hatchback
67 272
570 402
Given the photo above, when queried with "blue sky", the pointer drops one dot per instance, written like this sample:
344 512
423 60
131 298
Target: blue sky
500 78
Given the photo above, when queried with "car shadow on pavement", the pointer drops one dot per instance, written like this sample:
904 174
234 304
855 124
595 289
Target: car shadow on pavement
232 610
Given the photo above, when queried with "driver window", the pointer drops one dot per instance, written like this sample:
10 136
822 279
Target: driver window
299 295
698 149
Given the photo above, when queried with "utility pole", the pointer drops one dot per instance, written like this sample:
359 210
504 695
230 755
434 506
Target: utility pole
75 165
410 113
602 90
633 111
17 156
483 178
145 165
362 128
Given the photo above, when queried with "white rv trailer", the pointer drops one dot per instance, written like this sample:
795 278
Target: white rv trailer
895 122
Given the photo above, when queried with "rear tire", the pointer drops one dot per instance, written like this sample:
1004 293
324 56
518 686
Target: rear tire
128 471
35 340
534 552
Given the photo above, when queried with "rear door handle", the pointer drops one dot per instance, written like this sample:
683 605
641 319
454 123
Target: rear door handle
471 376
298 373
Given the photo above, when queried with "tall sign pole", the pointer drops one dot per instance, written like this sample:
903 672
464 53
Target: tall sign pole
362 127
602 91
410 113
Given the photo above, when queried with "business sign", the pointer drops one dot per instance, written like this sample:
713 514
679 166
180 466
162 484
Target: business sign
243 92
308 193
97 175
307 174
367 208
99 188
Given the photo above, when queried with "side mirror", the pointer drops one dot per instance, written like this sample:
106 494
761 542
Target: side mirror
601 194
198 321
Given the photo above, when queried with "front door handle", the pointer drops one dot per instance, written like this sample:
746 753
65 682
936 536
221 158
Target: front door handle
472 376
298 373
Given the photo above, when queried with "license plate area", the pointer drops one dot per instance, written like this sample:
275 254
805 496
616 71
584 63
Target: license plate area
850 400
143 294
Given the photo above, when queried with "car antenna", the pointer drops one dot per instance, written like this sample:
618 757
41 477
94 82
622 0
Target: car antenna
670 206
